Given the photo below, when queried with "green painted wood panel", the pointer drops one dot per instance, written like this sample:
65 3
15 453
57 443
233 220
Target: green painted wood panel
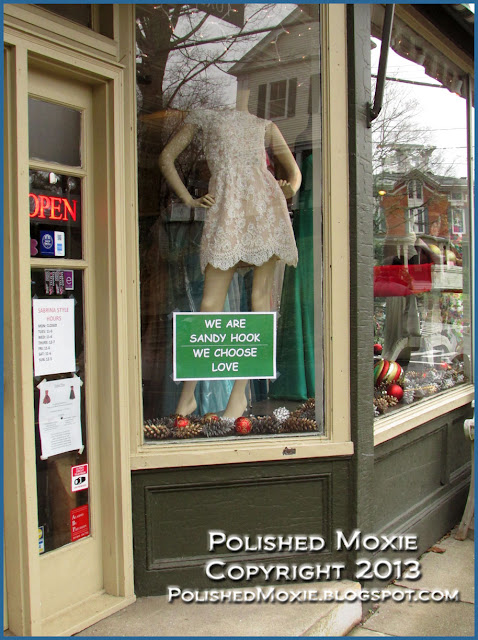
174 509
422 478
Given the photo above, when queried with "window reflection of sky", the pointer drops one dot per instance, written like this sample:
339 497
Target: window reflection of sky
441 115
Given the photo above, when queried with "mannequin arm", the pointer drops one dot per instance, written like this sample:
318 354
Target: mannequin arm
283 154
166 164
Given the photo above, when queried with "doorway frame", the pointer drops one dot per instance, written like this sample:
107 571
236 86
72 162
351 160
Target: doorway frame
26 43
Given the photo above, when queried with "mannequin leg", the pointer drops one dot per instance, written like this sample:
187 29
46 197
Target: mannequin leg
262 282
216 285
262 285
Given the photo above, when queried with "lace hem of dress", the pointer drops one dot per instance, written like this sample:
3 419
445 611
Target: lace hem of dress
255 258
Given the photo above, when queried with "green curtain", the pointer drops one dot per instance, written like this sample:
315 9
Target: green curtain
295 332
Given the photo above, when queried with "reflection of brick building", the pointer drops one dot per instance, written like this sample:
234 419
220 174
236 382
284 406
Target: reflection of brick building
413 200
416 203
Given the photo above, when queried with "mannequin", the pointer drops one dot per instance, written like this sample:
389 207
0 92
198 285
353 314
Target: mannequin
217 278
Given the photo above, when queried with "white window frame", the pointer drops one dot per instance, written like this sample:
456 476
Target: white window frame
269 100
458 211
419 220
284 115
413 188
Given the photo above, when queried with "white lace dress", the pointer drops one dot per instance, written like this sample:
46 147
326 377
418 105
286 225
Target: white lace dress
249 221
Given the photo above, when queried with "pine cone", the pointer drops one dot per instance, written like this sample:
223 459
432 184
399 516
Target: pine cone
191 431
292 424
169 422
448 383
155 431
265 424
300 425
271 425
390 400
381 404
148 431
305 410
218 428
163 431
257 424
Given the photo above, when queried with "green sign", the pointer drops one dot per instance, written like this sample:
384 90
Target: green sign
208 346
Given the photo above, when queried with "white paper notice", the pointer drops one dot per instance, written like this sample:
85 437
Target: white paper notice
59 416
53 336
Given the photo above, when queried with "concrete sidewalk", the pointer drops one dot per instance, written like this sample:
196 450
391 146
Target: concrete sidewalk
451 569
155 616
448 566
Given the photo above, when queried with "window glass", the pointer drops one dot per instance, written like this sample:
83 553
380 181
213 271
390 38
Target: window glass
58 303
98 17
232 192
421 245
54 132
277 100
55 215
79 13
60 410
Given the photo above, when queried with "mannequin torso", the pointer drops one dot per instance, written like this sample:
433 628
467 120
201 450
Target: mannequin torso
248 221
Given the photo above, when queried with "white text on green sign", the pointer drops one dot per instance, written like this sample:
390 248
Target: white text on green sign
209 346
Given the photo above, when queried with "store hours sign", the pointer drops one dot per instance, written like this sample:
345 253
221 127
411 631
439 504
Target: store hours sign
232 346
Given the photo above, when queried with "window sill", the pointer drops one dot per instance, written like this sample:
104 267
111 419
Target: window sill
209 452
416 414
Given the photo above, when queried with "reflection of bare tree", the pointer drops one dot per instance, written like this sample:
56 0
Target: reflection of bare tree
179 52
154 131
400 124
155 39
396 125
177 44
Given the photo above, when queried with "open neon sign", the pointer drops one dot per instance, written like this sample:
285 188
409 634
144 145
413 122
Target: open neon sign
44 207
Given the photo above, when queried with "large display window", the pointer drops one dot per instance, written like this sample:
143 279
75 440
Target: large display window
229 189
422 223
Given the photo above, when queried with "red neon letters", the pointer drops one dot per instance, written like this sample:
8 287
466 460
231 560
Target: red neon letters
52 207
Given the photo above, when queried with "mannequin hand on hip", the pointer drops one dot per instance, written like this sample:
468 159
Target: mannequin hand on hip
287 188
206 201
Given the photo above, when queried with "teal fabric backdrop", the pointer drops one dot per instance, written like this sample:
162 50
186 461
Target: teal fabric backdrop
295 333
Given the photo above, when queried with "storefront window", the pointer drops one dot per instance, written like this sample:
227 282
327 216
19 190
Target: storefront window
422 309
229 219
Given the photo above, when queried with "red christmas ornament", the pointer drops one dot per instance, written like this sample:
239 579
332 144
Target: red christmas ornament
396 391
377 349
211 416
181 422
243 425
